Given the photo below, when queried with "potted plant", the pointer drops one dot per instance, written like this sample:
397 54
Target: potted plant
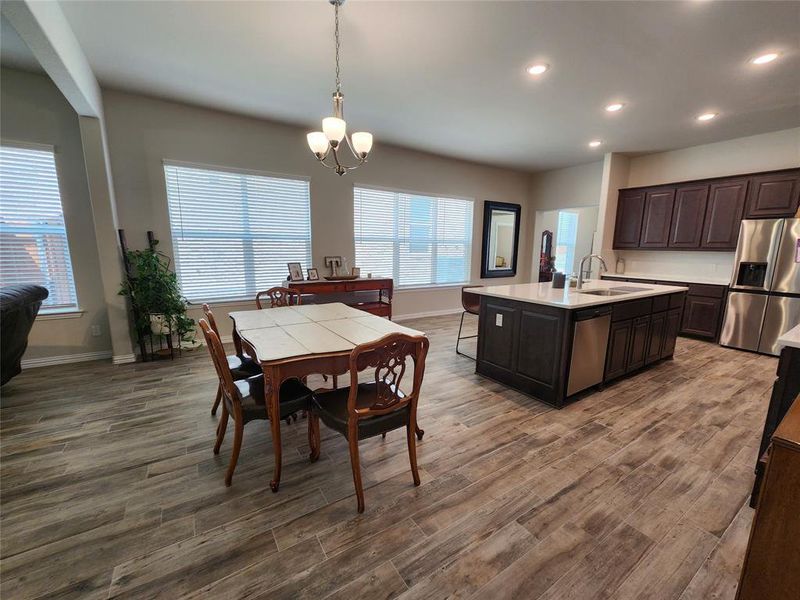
158 307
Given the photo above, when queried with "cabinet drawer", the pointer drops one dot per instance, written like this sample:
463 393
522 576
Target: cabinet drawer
708 291
677 300
661 303
632 309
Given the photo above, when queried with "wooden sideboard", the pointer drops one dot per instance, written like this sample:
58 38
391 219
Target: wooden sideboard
372 295
771 569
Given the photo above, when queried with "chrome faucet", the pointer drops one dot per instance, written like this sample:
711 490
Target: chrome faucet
589 257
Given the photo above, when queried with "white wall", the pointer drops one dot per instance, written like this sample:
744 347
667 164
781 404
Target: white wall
33 110
143 131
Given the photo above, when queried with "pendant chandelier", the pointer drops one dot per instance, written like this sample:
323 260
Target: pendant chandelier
327 144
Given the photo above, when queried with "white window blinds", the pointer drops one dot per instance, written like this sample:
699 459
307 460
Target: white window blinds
415 239
566 238
33 238
234 232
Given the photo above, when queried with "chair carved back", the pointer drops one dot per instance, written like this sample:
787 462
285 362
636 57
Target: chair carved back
220 361
278 296
210 318
388 357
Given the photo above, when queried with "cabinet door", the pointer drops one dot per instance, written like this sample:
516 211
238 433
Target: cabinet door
724 212
673 324
775 195
701 316
657 218
618 344
655 339
638 351
688 212
628 226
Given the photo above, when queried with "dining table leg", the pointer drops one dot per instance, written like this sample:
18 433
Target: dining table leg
272 390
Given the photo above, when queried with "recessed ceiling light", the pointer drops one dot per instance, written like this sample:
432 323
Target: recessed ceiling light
764 58
595 143
537 69
615 107
706 116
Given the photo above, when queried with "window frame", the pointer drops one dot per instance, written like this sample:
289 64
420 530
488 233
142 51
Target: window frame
169 162
60 311
395 261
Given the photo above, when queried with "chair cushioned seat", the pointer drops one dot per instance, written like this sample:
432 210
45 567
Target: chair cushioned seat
242 367
331 406
294 397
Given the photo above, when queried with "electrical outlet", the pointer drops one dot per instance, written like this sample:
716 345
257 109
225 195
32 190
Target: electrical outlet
95 330
498 320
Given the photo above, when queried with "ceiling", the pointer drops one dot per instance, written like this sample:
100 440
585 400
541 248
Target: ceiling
449 77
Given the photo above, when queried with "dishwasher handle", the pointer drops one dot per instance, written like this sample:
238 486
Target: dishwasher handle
592 313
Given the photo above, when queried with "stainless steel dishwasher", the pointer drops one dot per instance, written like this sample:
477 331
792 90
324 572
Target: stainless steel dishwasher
589 344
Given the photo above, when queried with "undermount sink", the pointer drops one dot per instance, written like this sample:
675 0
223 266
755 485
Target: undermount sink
608 292
615 291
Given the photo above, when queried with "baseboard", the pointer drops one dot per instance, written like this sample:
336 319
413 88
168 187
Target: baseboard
123 359
32 363
431 313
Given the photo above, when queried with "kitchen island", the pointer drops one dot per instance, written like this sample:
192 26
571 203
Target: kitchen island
555 343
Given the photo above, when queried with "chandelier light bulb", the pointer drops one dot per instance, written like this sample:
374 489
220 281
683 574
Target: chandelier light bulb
318 142
362 143
334 129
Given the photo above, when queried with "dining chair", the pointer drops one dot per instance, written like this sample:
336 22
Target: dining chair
471 303
363 410
240 366
278 296
244 399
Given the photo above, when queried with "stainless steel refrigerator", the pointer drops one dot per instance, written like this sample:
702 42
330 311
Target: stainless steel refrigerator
764 297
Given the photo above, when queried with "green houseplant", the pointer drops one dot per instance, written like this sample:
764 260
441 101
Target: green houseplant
158 307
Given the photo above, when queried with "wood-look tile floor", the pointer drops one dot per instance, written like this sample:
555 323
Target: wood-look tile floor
110 488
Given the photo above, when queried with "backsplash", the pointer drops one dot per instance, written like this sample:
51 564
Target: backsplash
708 265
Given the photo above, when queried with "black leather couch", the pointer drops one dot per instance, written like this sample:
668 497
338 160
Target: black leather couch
19 305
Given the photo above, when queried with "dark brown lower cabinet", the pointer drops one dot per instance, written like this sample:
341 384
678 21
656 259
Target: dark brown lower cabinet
639 330
619 339
673 324
701 316
658 326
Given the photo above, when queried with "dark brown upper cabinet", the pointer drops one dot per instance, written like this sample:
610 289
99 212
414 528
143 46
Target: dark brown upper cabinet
628 227
688 212
724 212
658 205
774 195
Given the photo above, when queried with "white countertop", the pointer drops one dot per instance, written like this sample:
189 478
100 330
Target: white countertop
677 278
570 298
791 337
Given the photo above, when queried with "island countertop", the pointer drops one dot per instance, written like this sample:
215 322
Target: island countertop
791 338
570 298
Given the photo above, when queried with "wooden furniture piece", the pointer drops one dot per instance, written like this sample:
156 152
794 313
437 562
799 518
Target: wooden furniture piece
704 214
240 366
379 290
298 341
278 296
702 313
365 410
244 399
472 305
785 391
771 568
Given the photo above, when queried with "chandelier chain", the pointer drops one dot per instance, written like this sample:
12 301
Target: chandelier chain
338 44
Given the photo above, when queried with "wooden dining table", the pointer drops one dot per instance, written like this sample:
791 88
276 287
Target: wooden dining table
298 341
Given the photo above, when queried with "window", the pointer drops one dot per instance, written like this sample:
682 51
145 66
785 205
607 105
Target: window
566 236
415 239
233 232
33 238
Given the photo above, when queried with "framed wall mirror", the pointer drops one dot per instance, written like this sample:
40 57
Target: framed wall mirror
500 239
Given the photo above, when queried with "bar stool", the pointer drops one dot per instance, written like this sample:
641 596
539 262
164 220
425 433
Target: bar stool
472 305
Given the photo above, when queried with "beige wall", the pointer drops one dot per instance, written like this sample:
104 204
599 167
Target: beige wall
33 110
144 131
765 152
